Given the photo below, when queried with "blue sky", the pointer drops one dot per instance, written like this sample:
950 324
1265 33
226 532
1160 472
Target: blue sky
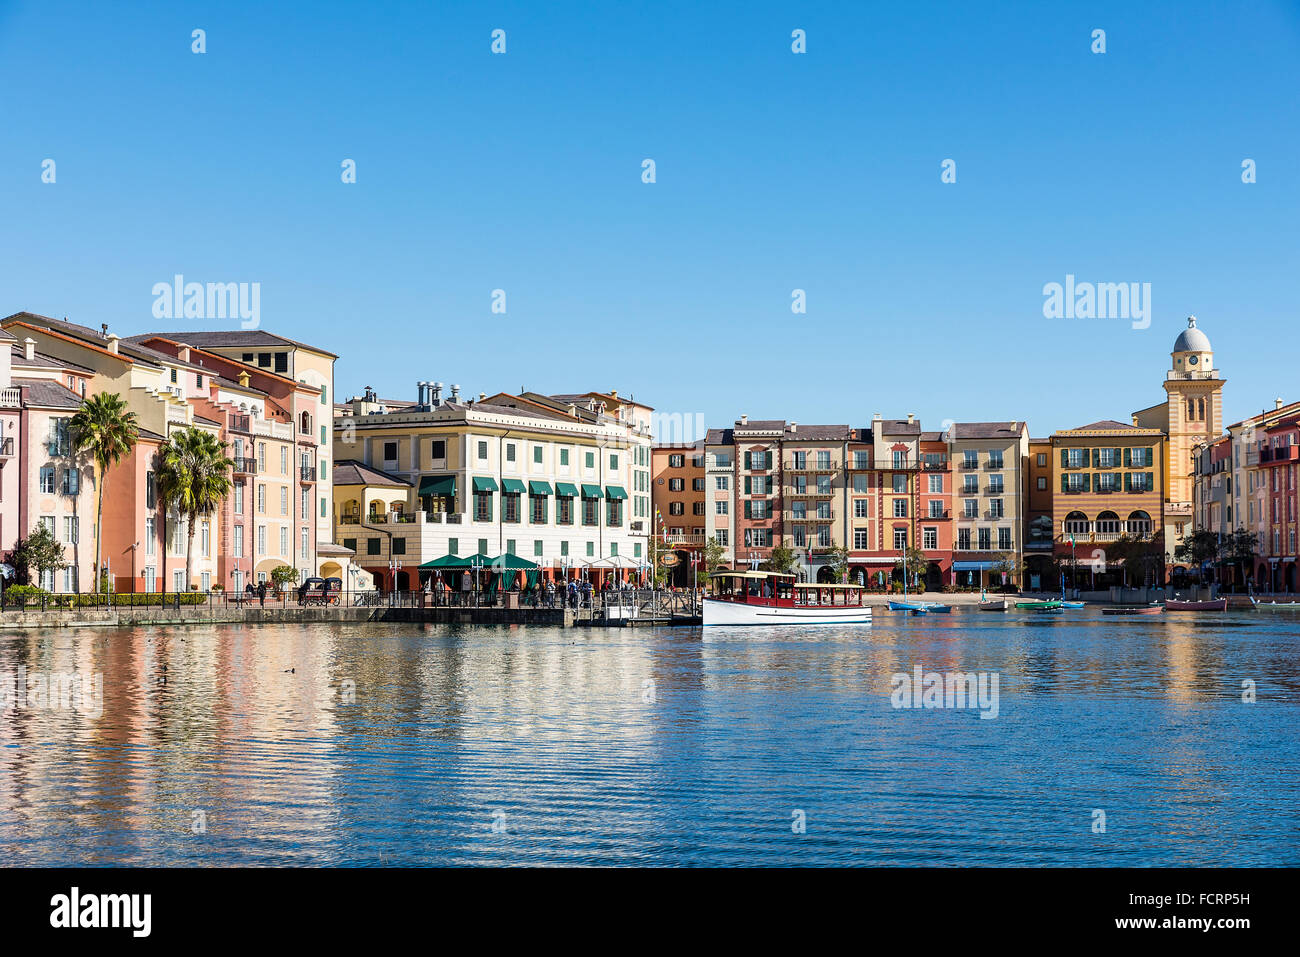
775 171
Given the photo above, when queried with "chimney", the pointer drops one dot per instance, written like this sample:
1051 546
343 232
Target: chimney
455 393
183 353
244 378
911 418
794 426
744 420
613 393
29 348
482 396
103 328
435 394
1277 403
419 393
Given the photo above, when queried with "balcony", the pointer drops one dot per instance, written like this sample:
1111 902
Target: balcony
826 516
245 465
307 472
440 518
968 466
940 466
1279 455
11 398
237 423
995 490
7 447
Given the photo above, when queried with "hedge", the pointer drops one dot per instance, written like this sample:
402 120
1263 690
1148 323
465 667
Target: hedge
31 596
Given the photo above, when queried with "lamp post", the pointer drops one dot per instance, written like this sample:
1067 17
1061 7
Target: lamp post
477 565
394 566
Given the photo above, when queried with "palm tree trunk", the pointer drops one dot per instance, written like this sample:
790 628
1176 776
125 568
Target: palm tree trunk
189 550
99 526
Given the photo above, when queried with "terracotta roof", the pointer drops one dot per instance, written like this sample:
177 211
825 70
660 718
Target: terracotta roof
718 437
44 394
352 472
1106 425
42 361
814 433
899 427
69 331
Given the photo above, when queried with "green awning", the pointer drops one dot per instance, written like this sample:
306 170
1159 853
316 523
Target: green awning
615 491
513 485
484 484
438 485
539 488
591 491
510 562
447 561
566 488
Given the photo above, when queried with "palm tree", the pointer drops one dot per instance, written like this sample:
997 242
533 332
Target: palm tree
193 476
103 429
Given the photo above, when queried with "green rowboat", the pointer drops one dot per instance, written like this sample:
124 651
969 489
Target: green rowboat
1038 605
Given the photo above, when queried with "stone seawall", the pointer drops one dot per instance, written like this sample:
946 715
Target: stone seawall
198 615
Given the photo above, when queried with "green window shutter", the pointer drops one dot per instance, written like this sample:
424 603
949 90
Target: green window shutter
453 546
1151 476
1128 479
1128 457
1087 481
1117 453
1096 458
747 460
749 509
767 460
1065 459
1065 485
748 486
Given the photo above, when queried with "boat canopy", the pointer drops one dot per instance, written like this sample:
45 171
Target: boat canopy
814 585
751 575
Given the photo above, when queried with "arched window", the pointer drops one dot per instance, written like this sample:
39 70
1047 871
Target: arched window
306 423
1200 409
1076 523
1191 409
1139 524
1108 523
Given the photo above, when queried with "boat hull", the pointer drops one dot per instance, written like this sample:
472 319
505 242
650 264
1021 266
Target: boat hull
737 613
1276 605
1144 610
1218 604
998 605
1038 605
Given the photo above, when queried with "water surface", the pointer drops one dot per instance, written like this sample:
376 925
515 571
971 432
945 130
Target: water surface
468 745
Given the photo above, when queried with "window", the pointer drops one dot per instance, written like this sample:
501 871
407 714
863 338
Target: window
151 491
564 458
697 508
390 452
722 460
936 508
237 546
823 536
537 548
590 513
1073 458
352 544
929 539
510 506
676 484
861 539
723 537
284 460
399 546
537 509
510 451
613 462
971 459
963 539
970 485
47 479
936 484
1004 539
860 507
239 497
589 460
281 362
676 508
676 461
1042 460
1042 483
860 483
823 485
284 542
799 509
205 538
995 484
970 508
453 546
995 508
564 509
758 538
721 507
482 450
438 449
372 546
995 458
985 539
900 539
900 508
862 460
537 459
900 483
697 485
151 536
800 536
261 539
823 460
284 501
70 530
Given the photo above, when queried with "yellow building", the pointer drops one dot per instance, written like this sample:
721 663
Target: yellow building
1107 482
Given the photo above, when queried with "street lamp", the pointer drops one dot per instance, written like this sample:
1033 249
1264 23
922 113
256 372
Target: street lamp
394 566
477 565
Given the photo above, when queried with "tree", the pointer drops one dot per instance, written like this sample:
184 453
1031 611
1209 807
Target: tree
714 555
1240 547
782 559
1198 548
1007 565
282 575
913 563
838 558
103 429
39 550
193 476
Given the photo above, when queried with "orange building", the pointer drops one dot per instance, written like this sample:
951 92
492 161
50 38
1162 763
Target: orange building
679 500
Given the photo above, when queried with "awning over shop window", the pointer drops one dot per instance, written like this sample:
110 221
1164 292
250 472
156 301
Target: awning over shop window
615 491
566 488
484 484
539 488
591 491
973 566
512 485
438 485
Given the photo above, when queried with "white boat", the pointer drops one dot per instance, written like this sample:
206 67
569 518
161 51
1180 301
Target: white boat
1275 605
770 598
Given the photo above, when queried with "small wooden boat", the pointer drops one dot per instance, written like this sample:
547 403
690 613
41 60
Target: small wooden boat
920 607
1134 610
1274 605
1039 605
1217 604
993 604
1072 604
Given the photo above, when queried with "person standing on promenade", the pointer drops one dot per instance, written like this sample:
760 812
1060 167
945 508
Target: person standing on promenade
261 593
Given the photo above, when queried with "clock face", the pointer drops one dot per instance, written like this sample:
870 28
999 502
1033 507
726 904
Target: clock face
1193 359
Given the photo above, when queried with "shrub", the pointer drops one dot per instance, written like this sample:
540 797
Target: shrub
23 595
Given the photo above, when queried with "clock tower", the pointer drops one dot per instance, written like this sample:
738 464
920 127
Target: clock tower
1195 414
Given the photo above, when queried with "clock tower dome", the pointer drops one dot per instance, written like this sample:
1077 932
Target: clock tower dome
1195 415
